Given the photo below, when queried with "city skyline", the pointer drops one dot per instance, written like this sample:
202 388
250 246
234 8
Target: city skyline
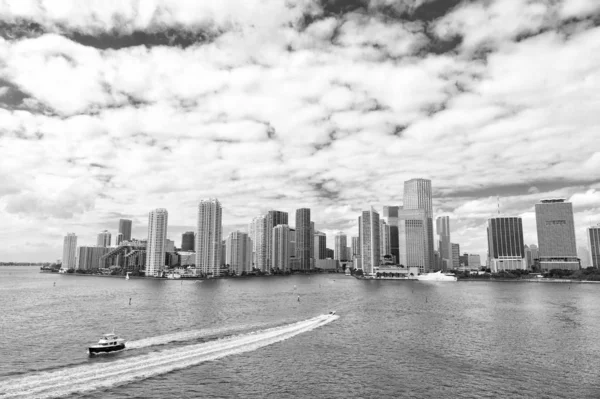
108 112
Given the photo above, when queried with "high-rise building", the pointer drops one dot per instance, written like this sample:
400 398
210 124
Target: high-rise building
528 257
535 253
444 245
169 245
369 236
474 262
258 235
417 196
385 244
209 237
320 245
119 239
238 252
412 234
187 241
455 255
556 235
340 246
103 239
506 250
88 258
303 237
273 218
463 260
312 243
329 253
125 229
69 251
355 247
158 220
594 244
280 247
390 215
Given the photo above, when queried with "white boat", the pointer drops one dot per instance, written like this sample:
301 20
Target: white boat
437 276
108 343
127 276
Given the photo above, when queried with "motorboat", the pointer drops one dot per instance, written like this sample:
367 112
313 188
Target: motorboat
108 343
437 276
332 313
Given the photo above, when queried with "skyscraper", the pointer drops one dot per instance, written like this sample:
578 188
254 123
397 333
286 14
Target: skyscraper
444 246
340 246
88 258
303 237
506 250
103 239
238 253
369 236
413 238
125 229
69 248
417 195
356 247
157 239
594 244
258 235
119 239
187 241
209 237
455 255
320 245
385 247
556 235
280 247
274 218
390 215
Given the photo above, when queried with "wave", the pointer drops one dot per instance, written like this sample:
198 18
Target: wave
85 378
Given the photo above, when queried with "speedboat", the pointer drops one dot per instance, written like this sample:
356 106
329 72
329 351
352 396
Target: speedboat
332 312
108 343
438 276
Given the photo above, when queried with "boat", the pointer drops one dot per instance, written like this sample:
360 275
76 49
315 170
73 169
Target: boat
437 276
108 343
127 276
332 312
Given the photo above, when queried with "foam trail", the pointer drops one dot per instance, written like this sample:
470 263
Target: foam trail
105 375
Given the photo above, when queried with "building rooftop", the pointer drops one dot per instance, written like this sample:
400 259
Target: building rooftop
552 200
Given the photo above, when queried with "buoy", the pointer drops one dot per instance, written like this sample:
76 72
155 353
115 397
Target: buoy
298 298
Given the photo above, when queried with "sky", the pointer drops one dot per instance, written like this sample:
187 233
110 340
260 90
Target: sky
110 108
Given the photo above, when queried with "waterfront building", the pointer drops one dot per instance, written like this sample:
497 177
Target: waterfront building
385 247
506 250
125 229
442 225
412 233
209 237
327 264
369 236
303 237
535 253
329 253
417 196
584 256
273 218
238 252
119 239
280 247
455 255
320 245
474 262
594 245
355 247
69 251
88 258
340 246
390 215
528 257
128 255
463 260
157 238
312 244
258 235
556 235
103 239
169 245
187 241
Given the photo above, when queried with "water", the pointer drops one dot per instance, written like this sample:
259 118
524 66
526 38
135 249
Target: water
252 338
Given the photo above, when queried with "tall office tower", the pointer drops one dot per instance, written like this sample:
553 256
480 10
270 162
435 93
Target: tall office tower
535 253
455 255
88 258
385 244
390 215
187 241
474 262
69 251
280 247
594 244
442 225
119 239
258 235
584 256
340 246
223 253
209 237
355 247
556 235
320 245
238 252
303 235
506 250
369 245
103 239
312 244
169 245
417 195
125 229
157 239
412 234
274 218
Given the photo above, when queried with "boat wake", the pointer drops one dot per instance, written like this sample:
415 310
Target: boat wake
90 377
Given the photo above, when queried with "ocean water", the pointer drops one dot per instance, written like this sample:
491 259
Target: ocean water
252 338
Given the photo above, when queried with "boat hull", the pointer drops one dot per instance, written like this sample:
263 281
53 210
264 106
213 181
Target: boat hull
105 349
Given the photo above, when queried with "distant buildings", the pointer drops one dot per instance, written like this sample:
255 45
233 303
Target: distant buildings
280 248
594 244
69 248
340 246
169 245
187 241
329 253
103 239
474 262
355 248
238 252
556 235
506 250
124 230
157 240
417 196
273 218
385 244
390 215
369 237
320 245
442 224
88 258
258 235
209 237
303 238
455 255
412 233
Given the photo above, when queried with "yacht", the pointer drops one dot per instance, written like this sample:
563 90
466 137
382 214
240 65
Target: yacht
437 276
108 343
